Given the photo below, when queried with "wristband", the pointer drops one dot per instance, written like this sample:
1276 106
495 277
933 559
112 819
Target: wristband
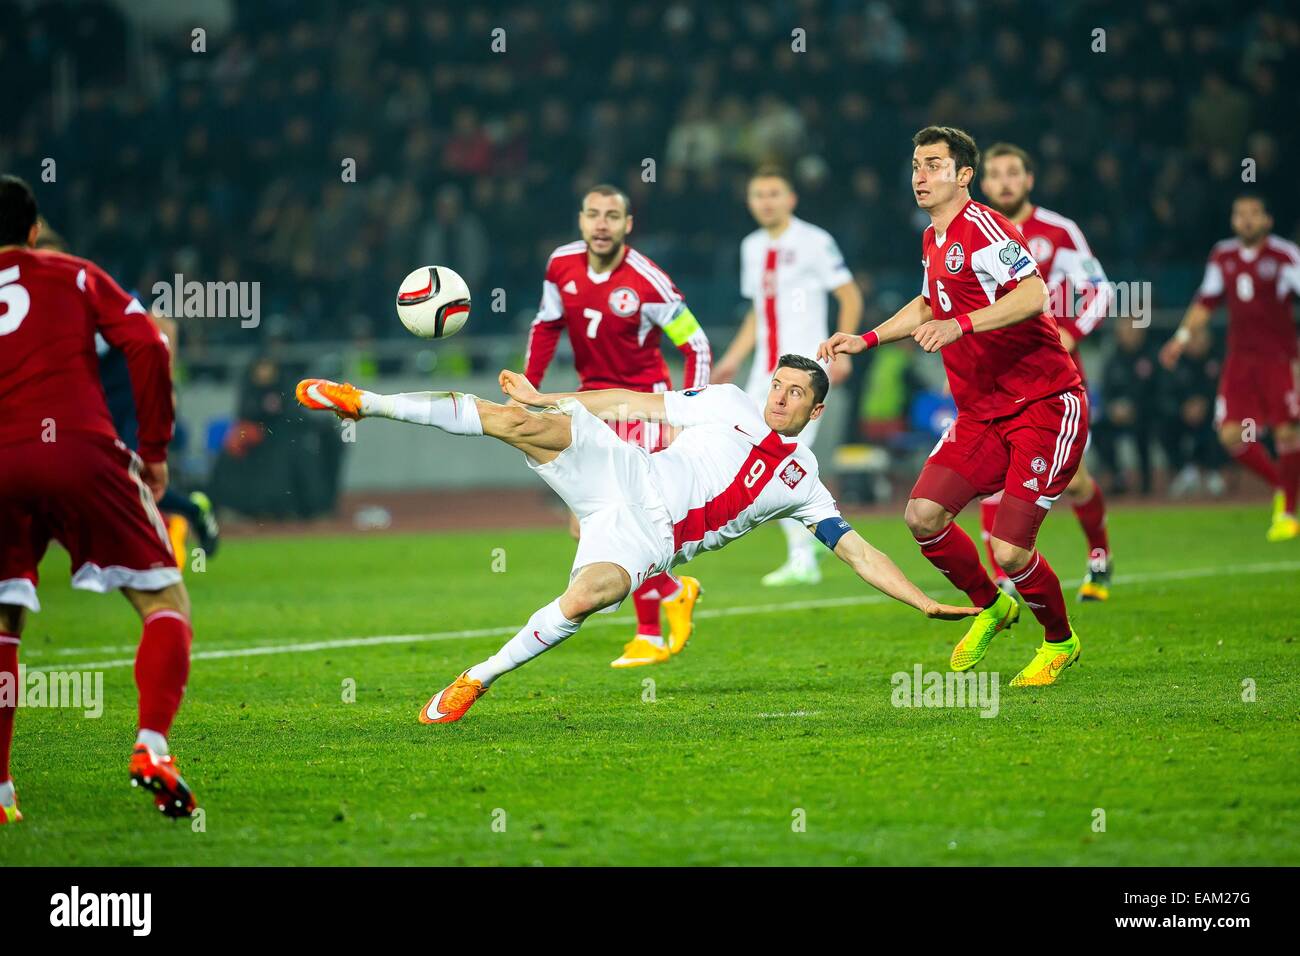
963 322
871 338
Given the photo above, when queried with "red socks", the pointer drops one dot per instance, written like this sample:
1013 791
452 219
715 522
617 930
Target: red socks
647 598
989 511
1041 589
1253 456
954 553
162 666
1092 518
8 698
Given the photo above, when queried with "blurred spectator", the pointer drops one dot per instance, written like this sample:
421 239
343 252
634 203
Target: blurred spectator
1128 407
1187 434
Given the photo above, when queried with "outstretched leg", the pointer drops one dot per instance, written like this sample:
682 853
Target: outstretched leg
11 628
540 436
592 588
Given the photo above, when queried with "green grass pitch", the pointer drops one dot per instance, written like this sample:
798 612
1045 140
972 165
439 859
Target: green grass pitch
771 740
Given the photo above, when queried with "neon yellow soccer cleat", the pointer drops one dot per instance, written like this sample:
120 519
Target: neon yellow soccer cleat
999 616
638 652
1284 526
678 609
1048 663
9 813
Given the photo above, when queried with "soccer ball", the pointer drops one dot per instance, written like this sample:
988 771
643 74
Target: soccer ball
433 302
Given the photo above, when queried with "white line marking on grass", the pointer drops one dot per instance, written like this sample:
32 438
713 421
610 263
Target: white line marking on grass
623 620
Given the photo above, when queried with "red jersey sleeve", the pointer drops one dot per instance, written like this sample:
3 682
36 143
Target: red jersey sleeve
544 333
125 325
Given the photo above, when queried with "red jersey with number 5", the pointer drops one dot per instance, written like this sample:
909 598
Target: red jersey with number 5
977 261
51 306
615 321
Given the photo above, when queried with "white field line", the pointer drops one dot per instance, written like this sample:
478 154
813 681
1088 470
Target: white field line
622 620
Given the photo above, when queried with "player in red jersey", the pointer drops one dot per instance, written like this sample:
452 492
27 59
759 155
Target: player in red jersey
65 475
617 305
1078 296
1257 275
1022 412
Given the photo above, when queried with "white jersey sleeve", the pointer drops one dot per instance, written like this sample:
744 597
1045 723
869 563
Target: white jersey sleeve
552 306
817 506
829 263
712 405
1211 282
1003 260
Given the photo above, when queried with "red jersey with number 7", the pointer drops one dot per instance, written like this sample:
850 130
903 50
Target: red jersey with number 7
981 258
615 321
51 306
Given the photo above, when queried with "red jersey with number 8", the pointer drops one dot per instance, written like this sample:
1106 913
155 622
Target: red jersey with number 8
981 258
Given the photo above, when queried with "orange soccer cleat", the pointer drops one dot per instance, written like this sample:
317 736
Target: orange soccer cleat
679 609
450 703
161 777
321 394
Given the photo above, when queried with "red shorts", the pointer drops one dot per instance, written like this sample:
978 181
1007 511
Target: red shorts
1258 388
85 492
1030 456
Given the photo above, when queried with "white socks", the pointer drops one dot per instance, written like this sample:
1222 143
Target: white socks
153 740
546 628
7 793
799 543
455 412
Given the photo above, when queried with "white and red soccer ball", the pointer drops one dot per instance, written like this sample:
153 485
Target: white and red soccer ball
433 302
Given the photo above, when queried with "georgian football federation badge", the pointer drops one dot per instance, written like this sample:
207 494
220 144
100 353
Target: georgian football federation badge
1267 269
1039 465
955 258
624 301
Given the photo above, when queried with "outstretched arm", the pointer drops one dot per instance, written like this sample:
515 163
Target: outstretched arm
878 569
601 402
900 325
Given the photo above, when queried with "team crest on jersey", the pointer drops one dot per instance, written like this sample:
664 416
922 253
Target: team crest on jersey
624 301
955 258
792 474
1041 247
1010 252
1039 465
1267 269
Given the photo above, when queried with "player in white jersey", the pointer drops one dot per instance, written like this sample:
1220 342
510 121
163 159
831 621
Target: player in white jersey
732 468
787 269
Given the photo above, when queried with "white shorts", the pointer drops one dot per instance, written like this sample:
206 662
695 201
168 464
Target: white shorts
606 482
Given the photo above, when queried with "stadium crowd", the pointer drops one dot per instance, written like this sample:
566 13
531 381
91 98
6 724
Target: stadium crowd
471 146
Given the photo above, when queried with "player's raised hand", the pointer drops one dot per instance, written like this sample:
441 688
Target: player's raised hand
937 333
841 343
519 388
949 612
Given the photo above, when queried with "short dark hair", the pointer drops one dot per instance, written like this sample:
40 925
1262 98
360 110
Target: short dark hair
820 383
1009 149
960 144
1252 197
772 171
17 211
605 189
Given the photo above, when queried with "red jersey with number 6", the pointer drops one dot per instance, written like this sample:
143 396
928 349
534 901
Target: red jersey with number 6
51 306
615 320
977 261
